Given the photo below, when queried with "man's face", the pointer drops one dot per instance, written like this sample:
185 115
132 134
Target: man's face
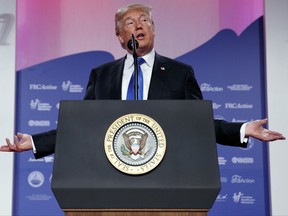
138 23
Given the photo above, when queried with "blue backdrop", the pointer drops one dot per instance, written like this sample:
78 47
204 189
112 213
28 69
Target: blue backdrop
230 71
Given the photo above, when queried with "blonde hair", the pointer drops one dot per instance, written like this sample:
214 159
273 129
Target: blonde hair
122 11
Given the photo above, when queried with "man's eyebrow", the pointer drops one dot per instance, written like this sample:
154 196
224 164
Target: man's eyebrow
141 15
127 18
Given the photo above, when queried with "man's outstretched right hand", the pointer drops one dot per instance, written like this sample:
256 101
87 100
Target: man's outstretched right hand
22 142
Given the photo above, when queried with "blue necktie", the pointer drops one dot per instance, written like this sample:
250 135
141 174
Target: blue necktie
130 92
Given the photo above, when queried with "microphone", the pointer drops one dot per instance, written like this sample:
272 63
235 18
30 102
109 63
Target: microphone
131 43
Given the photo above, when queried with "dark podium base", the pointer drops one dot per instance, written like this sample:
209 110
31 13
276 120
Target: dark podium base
135 212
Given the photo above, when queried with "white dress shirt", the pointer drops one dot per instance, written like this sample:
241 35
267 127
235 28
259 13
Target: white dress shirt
146 70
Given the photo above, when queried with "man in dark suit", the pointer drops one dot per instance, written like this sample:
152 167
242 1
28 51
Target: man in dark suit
163 78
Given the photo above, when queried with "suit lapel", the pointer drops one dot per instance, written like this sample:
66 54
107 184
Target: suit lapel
116 74
158 79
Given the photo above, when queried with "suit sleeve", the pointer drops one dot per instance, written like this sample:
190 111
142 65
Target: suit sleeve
227 133
44 143
192 89
90 93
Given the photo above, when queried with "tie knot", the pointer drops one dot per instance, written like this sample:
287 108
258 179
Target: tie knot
140 60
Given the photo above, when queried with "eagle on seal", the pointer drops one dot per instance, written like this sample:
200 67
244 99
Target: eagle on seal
135 141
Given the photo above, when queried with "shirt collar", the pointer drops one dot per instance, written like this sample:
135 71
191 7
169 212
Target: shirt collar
149 59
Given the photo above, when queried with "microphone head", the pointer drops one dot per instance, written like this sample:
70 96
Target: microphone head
130 44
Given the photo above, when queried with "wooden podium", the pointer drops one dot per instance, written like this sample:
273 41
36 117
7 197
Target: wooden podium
136 212
185 183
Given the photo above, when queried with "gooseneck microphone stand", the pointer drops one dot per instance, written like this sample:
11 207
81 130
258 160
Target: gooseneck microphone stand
133 45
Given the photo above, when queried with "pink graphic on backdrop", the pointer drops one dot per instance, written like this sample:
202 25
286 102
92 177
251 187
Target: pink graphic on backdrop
49 29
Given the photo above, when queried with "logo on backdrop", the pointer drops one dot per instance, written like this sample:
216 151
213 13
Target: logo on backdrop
238 179
243 198
36 179
238 106
206 87
242 160
222 161
135 144
239 87
47 159
40 106
222 197
39 123
72 88
42 87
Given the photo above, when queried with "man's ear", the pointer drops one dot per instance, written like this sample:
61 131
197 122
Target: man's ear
120 38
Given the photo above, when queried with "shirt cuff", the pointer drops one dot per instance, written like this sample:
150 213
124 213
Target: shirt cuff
33 146
243 138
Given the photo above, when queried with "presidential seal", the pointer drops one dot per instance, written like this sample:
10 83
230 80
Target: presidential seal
135 144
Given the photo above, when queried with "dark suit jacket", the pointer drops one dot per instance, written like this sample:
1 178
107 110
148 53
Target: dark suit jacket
170 80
